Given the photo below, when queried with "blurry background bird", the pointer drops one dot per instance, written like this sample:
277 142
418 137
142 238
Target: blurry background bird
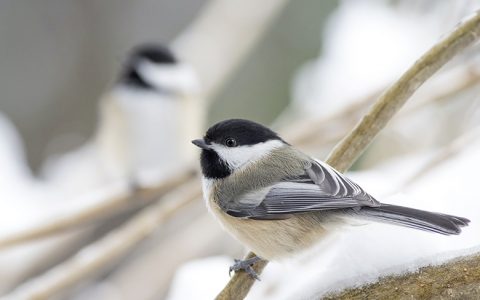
144 120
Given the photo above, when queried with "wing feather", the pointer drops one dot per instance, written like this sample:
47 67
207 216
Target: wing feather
320 188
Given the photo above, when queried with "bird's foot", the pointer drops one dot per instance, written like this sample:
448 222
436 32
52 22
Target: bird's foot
245 265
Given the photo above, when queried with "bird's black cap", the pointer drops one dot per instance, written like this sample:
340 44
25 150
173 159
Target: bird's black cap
231 133
244 132
155 53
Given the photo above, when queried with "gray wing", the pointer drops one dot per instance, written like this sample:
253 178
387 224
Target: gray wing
320 188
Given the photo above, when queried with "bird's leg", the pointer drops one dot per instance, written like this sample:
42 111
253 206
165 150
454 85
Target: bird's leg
245 265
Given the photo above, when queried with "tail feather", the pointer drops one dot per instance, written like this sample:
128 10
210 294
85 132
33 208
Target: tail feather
415 218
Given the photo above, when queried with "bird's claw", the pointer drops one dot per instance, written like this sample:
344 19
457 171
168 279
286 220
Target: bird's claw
245 265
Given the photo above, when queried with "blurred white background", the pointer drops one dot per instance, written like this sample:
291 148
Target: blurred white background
319 63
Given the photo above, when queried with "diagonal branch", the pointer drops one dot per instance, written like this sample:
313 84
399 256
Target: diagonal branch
215 44
95 212
110 248
302 133
318 130
350 148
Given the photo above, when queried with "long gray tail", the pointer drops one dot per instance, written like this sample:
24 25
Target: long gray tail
415 218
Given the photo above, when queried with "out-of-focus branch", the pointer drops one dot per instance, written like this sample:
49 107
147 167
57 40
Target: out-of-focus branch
457 279
317 130
107 250
460 79
348 150
302 133
215 44
222 36
95 212
442 155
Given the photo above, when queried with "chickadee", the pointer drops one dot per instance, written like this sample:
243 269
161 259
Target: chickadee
141 123
278 201
146 111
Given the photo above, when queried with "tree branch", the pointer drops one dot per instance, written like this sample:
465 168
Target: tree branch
218 40
109 248
348 150
318 131
457 279
442 156
101 209
303 133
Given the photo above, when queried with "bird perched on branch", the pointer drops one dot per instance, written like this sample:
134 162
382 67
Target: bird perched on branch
144 118
278 201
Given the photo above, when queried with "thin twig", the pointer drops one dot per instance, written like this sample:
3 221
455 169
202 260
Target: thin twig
313 130
99 210
215 52
110 248
216 43
442 156
463 78
303 133
348 150
439 92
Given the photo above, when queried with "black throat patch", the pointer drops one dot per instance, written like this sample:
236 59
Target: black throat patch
213 167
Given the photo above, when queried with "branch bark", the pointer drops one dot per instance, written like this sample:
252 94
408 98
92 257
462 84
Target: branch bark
350 148
457 279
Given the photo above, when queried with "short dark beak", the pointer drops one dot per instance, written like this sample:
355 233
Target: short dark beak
201 144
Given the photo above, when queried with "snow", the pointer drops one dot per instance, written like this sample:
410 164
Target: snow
366 46
24 202
362 253
200 279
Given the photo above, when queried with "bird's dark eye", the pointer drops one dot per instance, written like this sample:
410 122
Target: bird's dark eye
230 142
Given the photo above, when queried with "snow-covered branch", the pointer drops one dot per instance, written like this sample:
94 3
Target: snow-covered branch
457 279
348 150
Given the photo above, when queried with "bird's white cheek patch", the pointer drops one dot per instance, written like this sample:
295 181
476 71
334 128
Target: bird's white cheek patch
237 157
177 77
